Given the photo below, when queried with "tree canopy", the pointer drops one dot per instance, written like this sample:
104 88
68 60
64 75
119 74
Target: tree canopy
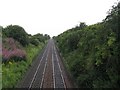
91 53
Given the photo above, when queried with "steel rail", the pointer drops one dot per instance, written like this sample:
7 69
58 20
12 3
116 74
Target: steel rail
43 74
60 69
37 68
53 69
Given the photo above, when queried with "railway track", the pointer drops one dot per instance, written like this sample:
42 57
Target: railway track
47 71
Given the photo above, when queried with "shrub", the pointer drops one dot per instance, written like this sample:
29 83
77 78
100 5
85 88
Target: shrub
16 32
11 50
34 41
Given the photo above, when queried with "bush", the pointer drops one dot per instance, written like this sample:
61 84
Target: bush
92 53
18 33
11 50
34 41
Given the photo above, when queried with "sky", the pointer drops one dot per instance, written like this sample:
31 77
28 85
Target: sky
52 17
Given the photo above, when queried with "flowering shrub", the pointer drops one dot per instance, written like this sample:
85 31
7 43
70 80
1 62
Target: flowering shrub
12 50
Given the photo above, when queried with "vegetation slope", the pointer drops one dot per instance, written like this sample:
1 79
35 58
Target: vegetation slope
91 53
19 49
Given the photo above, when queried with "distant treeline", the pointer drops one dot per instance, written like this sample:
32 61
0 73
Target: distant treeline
14 38
18 33
92 53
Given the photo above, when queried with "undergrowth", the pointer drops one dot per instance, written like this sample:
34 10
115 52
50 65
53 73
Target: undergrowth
12 72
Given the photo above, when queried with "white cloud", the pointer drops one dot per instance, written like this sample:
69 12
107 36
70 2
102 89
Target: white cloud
52 16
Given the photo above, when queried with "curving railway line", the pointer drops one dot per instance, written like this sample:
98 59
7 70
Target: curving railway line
47 71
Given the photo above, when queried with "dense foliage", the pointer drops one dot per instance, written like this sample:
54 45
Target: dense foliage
12 50
19 49
91 53
16 32
13 72
35 39
14 39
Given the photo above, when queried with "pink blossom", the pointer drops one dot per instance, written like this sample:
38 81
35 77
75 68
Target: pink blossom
11 50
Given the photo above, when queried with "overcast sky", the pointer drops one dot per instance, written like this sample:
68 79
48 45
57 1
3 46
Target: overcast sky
52 16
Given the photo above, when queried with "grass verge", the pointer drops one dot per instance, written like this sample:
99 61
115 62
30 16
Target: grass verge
13 72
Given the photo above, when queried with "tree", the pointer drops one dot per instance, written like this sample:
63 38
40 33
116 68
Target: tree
18 33
82 25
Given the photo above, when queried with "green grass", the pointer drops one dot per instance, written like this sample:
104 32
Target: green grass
13 72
